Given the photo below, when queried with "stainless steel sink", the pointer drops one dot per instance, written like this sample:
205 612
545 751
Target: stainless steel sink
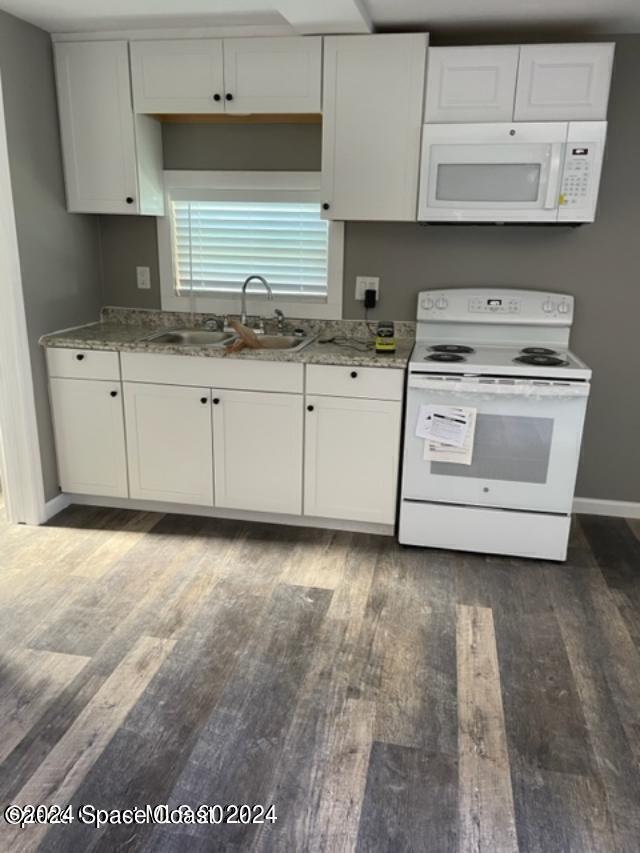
285 343
192 337
203 337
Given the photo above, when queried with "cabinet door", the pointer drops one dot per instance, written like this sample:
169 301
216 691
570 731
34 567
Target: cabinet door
97 126
564 82
273 75
257 439
169 443
471 84
89 431
351 459
372 118
177 76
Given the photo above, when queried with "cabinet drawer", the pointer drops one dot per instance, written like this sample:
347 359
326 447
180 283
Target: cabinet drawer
246 375
83 364
372 383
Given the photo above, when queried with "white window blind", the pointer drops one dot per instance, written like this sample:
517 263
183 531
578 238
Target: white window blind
217 244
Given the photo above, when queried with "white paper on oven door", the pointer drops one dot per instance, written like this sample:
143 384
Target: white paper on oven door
442 452
443 424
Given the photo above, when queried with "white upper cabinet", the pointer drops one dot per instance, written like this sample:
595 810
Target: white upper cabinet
566 82
112 158
373 96
471 84
244 75
273 75
177 76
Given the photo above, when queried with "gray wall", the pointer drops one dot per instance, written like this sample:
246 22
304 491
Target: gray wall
599 264
58 251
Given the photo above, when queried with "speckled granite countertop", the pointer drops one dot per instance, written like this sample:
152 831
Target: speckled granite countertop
124 330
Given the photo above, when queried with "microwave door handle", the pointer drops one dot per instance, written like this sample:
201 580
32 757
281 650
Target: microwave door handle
553 183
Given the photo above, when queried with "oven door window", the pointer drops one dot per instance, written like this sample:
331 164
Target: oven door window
508 448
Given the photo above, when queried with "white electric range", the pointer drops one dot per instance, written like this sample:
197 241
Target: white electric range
504 355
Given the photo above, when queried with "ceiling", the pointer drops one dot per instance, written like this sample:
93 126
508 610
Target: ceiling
612 16
307 16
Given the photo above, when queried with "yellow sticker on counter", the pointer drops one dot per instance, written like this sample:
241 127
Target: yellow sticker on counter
562 199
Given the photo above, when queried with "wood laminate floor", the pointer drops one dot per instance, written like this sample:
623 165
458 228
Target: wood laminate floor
381 698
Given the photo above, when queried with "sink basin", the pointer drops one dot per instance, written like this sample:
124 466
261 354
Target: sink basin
288 343
192 337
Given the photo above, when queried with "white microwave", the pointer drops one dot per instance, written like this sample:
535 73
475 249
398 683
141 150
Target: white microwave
516 172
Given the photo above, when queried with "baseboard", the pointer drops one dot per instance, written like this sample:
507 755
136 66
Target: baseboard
237 515
619 509
56 505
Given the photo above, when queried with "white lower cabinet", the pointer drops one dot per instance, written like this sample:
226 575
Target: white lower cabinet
169 443
257 440
351 458
89 430
332 454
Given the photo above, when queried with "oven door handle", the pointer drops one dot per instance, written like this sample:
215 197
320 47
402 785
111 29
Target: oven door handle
498 389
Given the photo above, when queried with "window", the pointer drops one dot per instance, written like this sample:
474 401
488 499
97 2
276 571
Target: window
221 227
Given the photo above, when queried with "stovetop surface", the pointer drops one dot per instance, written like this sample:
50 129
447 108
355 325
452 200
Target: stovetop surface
443 357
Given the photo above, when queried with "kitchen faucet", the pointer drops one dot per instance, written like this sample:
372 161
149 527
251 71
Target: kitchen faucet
243 297
279 315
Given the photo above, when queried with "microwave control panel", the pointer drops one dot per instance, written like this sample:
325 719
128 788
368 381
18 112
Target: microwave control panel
581 171
576 181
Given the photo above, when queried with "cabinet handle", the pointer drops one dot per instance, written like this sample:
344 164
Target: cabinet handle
203 400
216 97
325 205
354 374
310 408
80 356
129 199
215 401
229 96
114 393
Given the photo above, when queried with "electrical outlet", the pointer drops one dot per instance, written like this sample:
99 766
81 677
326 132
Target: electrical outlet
143 277
367 282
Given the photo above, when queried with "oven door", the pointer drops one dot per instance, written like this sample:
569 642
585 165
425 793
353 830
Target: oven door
492 172
526 444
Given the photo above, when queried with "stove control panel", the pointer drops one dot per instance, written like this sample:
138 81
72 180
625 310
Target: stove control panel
479 305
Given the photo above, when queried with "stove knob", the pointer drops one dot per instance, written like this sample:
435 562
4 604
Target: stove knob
548 306
564 308
427 303
442 302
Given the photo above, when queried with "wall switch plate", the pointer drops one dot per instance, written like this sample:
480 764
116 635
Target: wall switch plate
143 277
367 282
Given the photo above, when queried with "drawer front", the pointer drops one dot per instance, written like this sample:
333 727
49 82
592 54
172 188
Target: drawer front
83 364
372 383
245 375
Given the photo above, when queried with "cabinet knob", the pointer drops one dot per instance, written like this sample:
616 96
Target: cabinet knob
80 356
215 401
217 97
114 393
354 374
325 205
129 199
229 96
203 400
310 408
